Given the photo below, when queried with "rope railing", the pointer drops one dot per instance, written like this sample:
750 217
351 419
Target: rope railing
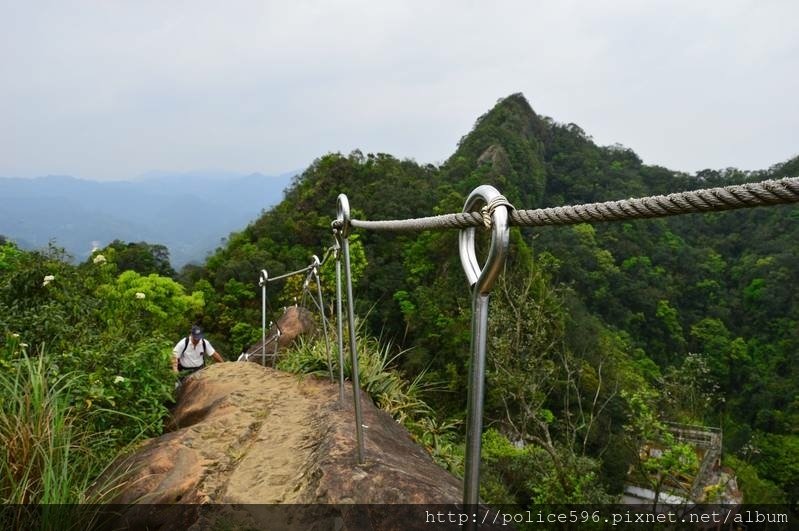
300 271
498 215
771 192
312 271
290 274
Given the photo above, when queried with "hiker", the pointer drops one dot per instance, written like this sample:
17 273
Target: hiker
189 354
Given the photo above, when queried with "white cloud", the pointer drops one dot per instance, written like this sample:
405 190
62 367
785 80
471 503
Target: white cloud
113 89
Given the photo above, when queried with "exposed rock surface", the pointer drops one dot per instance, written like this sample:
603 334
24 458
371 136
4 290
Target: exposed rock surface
496 155
245 434
294 322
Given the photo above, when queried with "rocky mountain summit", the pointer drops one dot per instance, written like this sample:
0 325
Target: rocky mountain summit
245 437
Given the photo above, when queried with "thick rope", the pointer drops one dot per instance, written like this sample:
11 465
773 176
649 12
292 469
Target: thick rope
708 200
488 210
771 192
461 220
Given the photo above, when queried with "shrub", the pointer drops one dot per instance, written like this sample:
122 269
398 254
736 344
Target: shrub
130 384
389 390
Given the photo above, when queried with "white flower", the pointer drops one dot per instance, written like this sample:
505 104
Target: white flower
119 379
23 345
99 259
48 279
140 295
15 336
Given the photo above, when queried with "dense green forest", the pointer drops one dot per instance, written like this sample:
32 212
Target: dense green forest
84 365
593 327
599 334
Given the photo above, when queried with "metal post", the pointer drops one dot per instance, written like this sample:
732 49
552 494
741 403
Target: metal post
480 281
316 264
339 321
343 216
262 282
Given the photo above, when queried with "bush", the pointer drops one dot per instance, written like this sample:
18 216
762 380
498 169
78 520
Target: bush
387 388
90 351
131 384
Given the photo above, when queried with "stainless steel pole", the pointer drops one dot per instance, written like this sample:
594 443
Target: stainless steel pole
344 217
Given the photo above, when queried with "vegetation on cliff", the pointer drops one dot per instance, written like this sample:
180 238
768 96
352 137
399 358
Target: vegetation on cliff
594 328
84 367
695 315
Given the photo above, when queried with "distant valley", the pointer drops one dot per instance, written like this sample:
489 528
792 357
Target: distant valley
190 213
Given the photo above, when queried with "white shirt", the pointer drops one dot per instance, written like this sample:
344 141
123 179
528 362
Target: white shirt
193 357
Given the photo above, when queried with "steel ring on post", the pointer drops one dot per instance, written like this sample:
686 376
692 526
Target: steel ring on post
482 279
343 219
343 216
262 282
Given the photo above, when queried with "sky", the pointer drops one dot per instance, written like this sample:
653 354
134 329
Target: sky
115 89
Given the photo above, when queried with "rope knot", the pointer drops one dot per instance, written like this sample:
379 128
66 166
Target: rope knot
492 205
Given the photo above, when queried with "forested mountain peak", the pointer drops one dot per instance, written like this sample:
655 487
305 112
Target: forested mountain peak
536 161
514 114
702 302
505 149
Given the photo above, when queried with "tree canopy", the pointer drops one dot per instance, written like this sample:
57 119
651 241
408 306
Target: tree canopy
583 312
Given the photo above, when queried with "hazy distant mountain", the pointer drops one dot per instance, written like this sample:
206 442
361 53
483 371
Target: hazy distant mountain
189 212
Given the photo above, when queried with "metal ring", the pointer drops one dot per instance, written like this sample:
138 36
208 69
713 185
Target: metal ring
482 279
263 279
343 215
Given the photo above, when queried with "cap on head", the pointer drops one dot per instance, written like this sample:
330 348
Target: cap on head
196 332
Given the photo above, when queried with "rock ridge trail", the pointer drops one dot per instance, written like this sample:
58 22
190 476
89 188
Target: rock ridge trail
247 436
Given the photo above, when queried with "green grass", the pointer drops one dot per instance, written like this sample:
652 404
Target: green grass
386 386
48 455
39 444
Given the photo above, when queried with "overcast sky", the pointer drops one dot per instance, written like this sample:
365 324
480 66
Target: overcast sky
113 89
